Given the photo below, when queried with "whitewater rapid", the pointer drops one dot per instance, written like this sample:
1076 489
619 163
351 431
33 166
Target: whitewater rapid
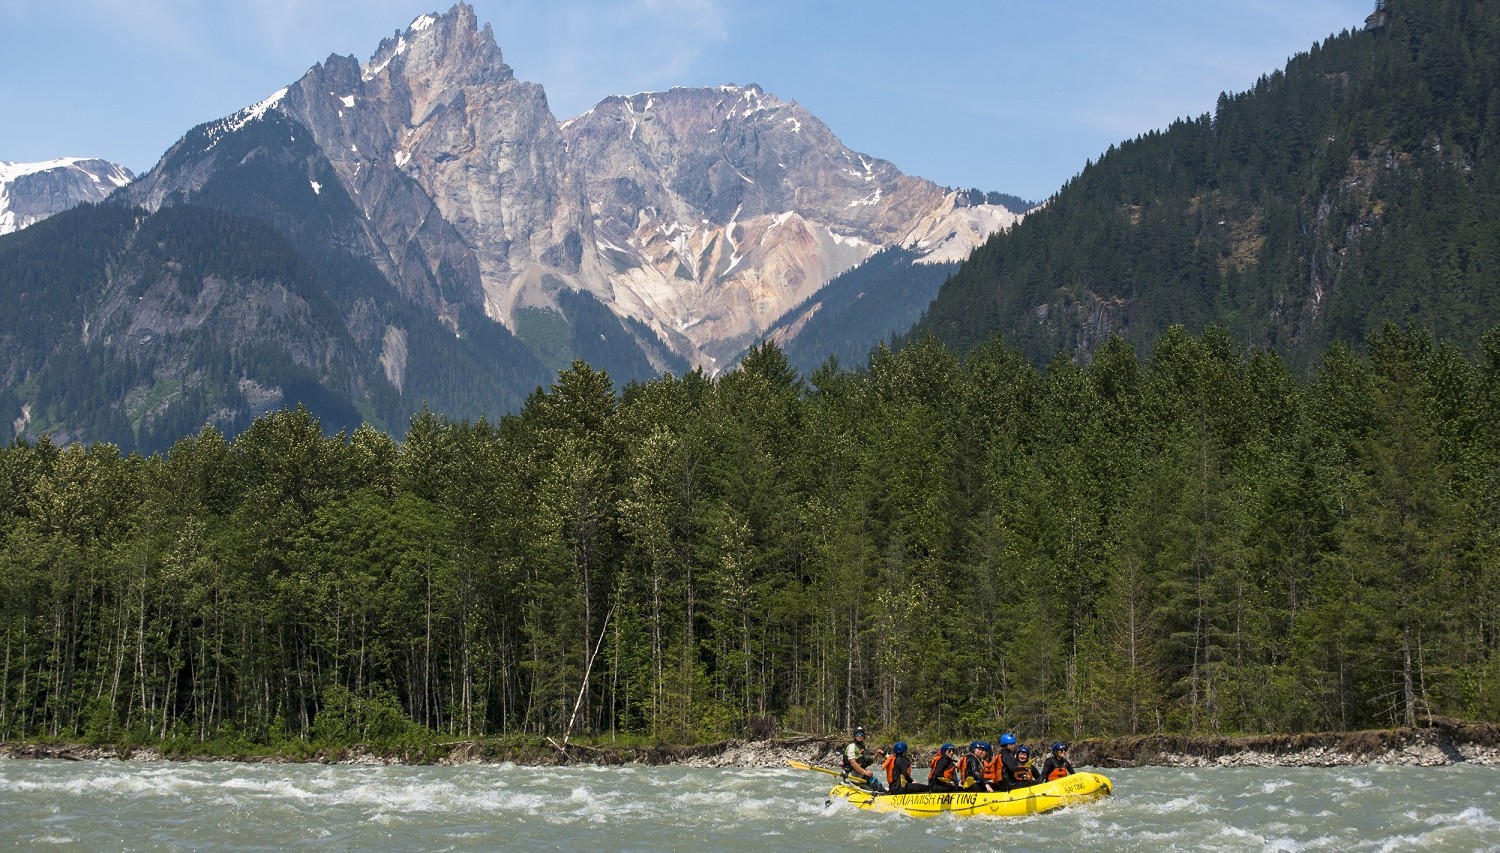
122 805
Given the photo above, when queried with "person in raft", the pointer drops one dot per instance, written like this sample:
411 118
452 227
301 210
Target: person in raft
1057 764
898 772
858 761
1021 773
1005 759
943 773
971 768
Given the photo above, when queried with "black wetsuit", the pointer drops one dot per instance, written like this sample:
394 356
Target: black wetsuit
936 780
1014 773
1055 762
974 765
898 776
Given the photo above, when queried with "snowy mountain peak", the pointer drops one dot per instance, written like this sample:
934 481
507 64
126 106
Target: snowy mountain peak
699 215
453 38
31 192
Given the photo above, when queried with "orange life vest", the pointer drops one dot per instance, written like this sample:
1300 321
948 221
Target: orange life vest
932 771
994 769
967 772
891 773
1057 773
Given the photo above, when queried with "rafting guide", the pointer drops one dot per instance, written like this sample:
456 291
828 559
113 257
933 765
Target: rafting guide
858 762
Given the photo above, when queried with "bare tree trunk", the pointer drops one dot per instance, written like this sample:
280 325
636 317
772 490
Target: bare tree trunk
1408 686
583 688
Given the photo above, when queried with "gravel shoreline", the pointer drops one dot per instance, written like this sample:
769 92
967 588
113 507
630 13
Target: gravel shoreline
1442 742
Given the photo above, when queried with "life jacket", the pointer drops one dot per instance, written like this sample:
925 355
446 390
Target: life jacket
897 768
947 773
1023 773
1057 773
994 769
864 756
971 767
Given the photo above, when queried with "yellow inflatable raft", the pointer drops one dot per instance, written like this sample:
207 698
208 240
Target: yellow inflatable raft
1044 797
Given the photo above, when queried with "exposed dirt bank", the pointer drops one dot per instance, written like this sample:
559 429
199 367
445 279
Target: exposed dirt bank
1441 742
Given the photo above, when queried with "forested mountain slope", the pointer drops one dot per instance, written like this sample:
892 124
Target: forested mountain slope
849 316
1361 184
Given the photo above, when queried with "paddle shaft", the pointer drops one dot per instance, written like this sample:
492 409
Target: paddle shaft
803 765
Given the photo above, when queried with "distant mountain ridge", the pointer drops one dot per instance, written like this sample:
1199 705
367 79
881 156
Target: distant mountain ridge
381 231
1360 185
739 206
701 214
31 192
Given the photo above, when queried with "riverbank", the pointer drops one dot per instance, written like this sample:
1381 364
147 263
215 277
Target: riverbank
1442 742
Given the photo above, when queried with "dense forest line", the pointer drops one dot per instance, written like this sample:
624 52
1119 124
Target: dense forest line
1359 184
1197 540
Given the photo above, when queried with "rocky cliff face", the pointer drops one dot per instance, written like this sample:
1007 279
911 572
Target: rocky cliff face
702 215
720 209
31 192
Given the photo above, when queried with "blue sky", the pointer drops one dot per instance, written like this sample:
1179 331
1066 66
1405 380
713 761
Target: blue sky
1008 95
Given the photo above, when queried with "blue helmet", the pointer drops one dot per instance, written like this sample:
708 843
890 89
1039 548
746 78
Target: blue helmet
900 747
1059 746
1007 739
859 732
978 744
985 745
947 747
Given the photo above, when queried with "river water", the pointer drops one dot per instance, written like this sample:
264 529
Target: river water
121 805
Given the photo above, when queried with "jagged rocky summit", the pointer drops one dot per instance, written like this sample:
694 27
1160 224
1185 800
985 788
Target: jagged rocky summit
697 217
31 192
419 230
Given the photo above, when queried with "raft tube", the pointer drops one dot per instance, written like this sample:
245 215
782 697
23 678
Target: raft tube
1070 790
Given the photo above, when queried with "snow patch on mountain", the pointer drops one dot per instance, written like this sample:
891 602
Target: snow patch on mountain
31 192
222 128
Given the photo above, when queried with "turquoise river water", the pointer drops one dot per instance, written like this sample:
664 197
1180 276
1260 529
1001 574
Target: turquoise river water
121 805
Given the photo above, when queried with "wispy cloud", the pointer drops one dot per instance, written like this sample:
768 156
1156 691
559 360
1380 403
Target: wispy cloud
158 24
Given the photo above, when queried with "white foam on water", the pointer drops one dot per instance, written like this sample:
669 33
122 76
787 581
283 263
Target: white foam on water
268 788
708 798
758 807
1190 804
531 803
1401 842
1354 781
1274 786
128 784
1473 816
816 807
592 807
1240 834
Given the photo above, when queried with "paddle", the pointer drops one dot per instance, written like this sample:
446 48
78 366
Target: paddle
803 765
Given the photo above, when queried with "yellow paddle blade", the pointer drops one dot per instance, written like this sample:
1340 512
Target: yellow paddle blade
803 765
